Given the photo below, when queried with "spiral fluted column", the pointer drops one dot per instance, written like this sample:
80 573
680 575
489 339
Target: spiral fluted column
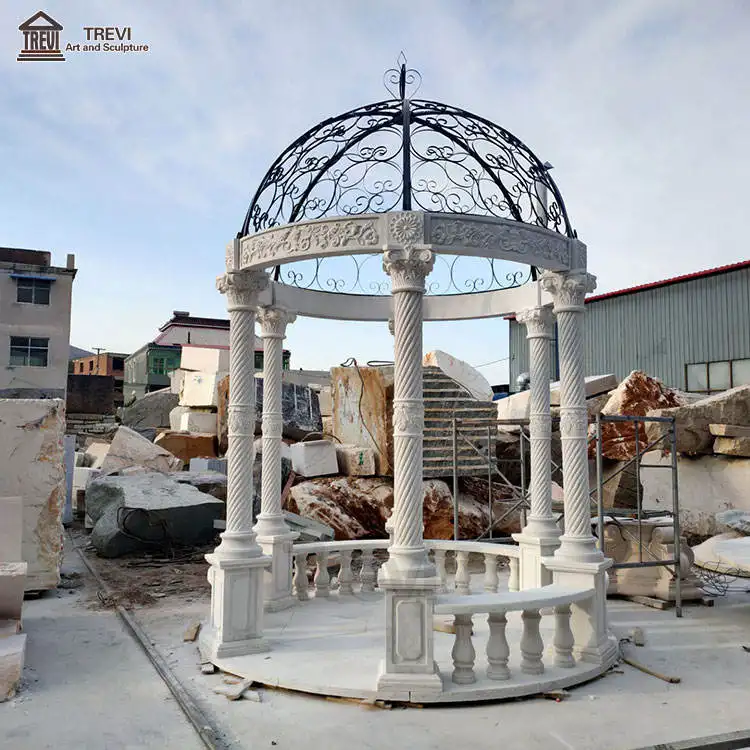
237 565
540 536
408 269
569 291
273 322
274 536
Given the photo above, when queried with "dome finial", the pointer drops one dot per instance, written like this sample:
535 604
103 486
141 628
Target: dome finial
397 80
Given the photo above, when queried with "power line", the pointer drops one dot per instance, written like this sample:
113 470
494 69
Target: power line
494 362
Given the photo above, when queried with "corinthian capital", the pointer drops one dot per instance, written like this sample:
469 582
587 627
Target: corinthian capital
273 321
569 290
539 321
408 268
242 288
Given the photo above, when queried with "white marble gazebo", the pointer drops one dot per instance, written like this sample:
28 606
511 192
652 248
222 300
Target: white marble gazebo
372 634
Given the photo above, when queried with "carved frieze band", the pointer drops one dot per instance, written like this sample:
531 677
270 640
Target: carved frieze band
453 234
241 420
573 422
569 290
539 322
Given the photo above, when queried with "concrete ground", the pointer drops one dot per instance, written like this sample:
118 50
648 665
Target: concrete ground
88 685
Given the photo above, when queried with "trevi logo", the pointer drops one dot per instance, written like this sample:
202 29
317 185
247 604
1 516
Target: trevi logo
41 39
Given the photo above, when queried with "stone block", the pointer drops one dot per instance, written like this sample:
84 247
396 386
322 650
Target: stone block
363 409
80 458
693 420
725 553
283 449
136 512
82 475
12 654
314 458
151 410
208 464
176 378
462 373
213 483
12 586
187 445
175 417
637 395
95 454
326 402
733 446
729 430
201 389
128 448
198 421
355 461
327 423
707 484
736 520
11 528
308 529
205 358
31 466
596 385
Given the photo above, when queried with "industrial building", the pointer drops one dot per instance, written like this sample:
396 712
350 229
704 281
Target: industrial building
692 331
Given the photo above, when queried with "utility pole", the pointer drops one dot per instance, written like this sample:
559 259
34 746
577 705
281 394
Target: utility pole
98 350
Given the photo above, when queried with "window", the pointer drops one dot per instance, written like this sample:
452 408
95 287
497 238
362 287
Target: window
91 365
118 363
33 291
712 377
80 367
285 360
258 360
158 366
28 352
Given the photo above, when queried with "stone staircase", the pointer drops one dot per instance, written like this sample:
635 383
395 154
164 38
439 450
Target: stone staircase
444 400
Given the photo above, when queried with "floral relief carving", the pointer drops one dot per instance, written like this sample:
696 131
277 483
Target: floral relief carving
568 289
408 268
573 421
500 237
539 321
242 287
240 421
407 228
309 239
273 321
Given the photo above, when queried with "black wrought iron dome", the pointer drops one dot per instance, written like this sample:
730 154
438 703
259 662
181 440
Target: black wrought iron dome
410 154
407 154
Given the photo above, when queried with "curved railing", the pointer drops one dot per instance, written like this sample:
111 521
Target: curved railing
365 577
530 603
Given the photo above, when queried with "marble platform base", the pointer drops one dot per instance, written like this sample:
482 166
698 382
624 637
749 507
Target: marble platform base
335 647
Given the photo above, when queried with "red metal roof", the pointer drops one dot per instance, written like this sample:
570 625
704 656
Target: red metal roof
674 280
664 282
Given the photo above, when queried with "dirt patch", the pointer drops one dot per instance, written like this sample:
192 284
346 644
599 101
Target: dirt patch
142 579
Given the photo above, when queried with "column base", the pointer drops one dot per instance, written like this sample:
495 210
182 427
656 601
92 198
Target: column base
592 641
277 583
408 566
404 686
235 626
237 545
579 549
532 573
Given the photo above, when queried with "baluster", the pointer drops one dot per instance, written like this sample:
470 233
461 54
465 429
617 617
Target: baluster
563 640
301 584
441 571
490 574
532 645
345 574
513 579
367 573
463 580
497 648
463 652
322 580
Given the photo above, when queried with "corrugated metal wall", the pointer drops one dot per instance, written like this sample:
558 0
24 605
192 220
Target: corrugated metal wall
660 330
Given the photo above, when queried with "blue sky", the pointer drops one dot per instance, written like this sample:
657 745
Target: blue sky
143 164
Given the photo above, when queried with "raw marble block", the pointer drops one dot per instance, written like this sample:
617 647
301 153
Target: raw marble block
315 458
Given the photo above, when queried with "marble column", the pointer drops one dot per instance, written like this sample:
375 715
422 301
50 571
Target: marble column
569 291
237 564
577 563
541 535
408 578
274 536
